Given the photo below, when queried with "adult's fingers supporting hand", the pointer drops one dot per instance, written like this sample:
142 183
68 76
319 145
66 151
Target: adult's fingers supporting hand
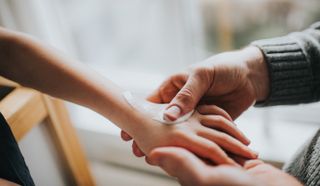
191 171
179 163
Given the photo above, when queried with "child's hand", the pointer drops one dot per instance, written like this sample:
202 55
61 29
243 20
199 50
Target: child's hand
198 135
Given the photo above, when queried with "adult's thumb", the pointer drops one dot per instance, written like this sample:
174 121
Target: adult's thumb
187 98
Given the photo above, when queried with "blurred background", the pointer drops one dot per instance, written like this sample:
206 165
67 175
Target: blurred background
138 43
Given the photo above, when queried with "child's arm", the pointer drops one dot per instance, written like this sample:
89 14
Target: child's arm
32 64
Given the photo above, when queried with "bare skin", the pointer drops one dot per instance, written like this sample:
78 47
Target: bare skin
7 183
32 64
191 171
233 81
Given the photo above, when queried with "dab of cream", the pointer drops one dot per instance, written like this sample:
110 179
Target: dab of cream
156 111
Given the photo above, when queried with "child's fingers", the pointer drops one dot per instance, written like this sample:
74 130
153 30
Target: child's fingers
207 149
228 143
240 160
221 123
125 136
213 110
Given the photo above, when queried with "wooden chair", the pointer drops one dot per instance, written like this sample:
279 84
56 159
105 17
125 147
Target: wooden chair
25 108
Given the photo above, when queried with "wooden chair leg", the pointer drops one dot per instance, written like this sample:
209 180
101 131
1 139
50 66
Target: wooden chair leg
65 137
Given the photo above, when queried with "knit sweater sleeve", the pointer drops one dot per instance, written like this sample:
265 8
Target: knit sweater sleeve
294 67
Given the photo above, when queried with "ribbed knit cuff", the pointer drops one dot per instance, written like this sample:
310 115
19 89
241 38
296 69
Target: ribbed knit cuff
289 71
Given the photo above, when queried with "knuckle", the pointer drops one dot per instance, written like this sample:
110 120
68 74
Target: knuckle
178 136
201 118
224 137
186 95
218 119
202 74
214 149
178 133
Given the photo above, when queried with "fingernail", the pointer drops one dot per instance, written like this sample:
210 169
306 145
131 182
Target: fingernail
247 140
255 154
172 113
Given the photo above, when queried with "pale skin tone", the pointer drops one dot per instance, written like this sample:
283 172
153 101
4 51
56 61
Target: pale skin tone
234 81
32 64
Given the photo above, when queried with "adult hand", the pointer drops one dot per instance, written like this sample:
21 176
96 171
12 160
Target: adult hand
191 171
231 80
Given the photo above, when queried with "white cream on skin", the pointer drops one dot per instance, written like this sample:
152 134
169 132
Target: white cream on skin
156 111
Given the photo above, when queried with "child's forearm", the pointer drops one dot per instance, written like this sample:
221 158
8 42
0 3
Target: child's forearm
34 65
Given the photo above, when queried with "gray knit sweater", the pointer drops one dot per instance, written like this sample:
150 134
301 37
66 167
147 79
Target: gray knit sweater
294 71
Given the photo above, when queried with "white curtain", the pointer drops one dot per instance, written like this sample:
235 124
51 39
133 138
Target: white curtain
39 18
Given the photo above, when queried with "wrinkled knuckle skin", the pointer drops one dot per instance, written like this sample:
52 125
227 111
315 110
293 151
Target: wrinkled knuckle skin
187 93
185 97
202 74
